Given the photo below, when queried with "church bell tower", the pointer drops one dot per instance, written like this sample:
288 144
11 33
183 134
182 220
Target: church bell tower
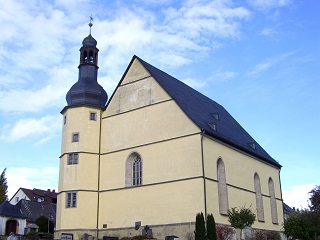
78 196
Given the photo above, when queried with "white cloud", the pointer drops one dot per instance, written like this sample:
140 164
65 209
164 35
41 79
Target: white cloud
297 196
28 177
223 75
30 127
268 63
269 4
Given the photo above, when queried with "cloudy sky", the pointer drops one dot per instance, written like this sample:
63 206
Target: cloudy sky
260 59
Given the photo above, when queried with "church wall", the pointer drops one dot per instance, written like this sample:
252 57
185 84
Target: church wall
163 161
240 169
84 216
146 125
78 121
79 176
136 90
167 203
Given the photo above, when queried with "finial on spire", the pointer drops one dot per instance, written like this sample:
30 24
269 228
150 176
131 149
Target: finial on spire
90 23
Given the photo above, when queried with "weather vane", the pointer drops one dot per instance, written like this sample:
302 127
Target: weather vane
90 23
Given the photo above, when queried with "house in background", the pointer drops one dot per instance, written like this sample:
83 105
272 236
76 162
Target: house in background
20 213
33 210
12 219
153 156
34 195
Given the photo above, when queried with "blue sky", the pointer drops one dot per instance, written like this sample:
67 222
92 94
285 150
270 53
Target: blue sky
260 59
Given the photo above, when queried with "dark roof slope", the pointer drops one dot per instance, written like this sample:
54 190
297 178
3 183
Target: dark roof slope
33 210
208 115
35 194
9 210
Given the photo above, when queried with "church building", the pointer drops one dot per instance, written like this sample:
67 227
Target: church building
153 156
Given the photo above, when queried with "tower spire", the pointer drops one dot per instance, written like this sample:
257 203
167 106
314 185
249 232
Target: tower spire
90 23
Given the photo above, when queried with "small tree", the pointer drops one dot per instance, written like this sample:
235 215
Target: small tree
241 218
211 228
200 232
43 222
296 227
3 187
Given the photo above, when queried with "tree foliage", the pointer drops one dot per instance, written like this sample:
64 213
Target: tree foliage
211 228
3 187
200 232
42 223
241 218
314 200
296 227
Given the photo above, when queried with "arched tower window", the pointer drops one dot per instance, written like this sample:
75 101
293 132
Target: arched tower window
259 200
91 57
84 57
133 170
273 203
222 188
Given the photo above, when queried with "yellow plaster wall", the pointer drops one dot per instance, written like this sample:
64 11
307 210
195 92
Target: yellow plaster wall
84 216
83 175
240 169
175 202
136 90
78 120
145 125
165 161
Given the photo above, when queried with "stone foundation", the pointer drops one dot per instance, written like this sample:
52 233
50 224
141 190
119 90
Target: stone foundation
185 231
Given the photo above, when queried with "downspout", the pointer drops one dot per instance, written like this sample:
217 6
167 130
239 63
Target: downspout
203 175
98 201
281 193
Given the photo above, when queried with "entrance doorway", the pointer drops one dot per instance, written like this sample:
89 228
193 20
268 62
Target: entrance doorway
11 227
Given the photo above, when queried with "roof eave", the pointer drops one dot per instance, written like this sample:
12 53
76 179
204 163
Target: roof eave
237 146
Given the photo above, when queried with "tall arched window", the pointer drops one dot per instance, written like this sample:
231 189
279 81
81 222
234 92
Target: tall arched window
273 203
133 170
259 200
222 188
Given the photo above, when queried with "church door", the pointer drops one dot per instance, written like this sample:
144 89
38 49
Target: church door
11 227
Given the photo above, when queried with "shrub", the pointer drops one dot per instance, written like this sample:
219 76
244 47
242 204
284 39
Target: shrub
200 232
225 232
211 228
266 235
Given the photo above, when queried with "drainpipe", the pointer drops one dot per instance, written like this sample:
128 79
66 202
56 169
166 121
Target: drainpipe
203 175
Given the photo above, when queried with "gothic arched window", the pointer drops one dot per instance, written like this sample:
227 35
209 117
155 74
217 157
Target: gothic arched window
222 188
273 203
259 200
133 170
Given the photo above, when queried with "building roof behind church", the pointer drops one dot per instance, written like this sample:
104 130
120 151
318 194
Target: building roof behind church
33 210
208 115
46 195
9 210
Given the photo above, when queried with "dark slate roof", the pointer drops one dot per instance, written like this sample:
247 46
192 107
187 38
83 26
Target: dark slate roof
9 210
287 209
35 194
33 210
208 115
89 41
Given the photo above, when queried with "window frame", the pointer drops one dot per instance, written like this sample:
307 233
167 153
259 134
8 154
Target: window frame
73 159
75 137
134 170
137 171
93 116
71 199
